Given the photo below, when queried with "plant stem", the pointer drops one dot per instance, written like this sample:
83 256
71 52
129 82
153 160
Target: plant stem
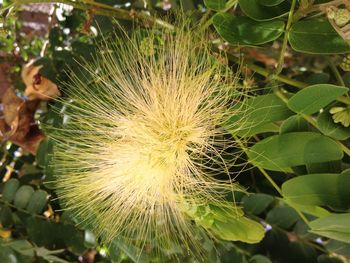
289 203
344 148
336 73
267 176
229 5
266 73
103 9
285 39
272 182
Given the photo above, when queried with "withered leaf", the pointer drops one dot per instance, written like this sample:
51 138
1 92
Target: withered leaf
37 86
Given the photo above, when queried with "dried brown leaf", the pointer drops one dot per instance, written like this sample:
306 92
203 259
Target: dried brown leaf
37 86
17 123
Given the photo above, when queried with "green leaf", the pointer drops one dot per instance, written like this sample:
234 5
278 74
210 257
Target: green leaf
259 259
316 36
317 78
22 246
315 97
254 9
5 216
301 252
49 254
313 189
281 152
38 230
239 229
10 189
216 5
43 155
270 2
7 255
335 226
313 210
326 125
294 123
23 195
243 30
37 202
346 79
343 187
73 238
338 247
257 114
233 255
226 222
256 203
282 216
329 259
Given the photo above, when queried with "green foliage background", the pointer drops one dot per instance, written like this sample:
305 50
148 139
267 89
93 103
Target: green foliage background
296 128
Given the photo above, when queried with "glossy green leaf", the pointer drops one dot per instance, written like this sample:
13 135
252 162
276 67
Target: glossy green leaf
316 36
270 2
257 115
43 155
45 151
49 254
38 228
256 203
315 97
313 189
233 255
23 247
327 126
23 195
344 187
255 10
328 259
313 210
216 5
37 202
239 229
282 216
280 152
241 30
301 252
73 238
338 247
10 189
346 79
5 216
335 226
318 78
259 259
294 123
226 222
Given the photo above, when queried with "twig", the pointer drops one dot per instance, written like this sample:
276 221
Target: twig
285 39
